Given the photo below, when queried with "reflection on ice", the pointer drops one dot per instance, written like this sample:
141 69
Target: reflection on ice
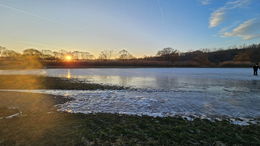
68 74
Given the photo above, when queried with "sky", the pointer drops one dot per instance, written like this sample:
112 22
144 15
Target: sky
141 26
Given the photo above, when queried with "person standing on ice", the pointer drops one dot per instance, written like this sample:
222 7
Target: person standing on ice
255 68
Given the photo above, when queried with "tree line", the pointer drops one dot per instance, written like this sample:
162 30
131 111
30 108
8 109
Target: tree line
61 54
234 57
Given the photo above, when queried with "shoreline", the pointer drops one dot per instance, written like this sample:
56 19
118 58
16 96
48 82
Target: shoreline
121 67
103 128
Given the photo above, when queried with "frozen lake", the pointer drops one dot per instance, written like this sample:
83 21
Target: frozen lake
203 92
160 78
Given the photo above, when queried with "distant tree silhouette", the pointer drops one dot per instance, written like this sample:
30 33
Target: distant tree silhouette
124 55
32 52
254 52
240 56
243 56
168 54
2 50
106 54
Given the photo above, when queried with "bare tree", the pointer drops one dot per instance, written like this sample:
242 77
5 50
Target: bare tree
76 55
106 54
2 50
57 55
10 53
47 53
168 54
7 53
32 52
87 55
124 55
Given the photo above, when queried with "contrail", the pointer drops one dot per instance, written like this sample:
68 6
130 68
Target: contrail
161 10
27 13
37 16
35 43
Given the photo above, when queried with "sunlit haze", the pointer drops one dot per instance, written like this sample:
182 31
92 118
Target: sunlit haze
140 26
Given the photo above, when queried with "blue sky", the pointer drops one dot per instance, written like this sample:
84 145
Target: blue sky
140 26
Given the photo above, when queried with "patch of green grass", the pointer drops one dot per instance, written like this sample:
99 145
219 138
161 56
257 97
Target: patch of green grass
107 129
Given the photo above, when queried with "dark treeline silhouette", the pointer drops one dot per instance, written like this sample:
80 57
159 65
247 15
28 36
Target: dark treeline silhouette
243 56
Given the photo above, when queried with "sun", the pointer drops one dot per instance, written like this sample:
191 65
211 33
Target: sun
68 58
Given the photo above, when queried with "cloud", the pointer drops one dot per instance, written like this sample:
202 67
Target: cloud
237 4
229 27
218 16
247 30
205 2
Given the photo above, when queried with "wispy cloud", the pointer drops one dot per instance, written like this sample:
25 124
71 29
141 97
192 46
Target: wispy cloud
205 2
247 30
229 27
218 16
26 13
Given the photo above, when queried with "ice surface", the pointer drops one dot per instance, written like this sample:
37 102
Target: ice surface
159 103
188 92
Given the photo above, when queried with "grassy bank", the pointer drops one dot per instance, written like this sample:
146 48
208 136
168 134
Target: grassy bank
41 124
43 82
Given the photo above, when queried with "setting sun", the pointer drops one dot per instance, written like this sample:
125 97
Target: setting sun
68 58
